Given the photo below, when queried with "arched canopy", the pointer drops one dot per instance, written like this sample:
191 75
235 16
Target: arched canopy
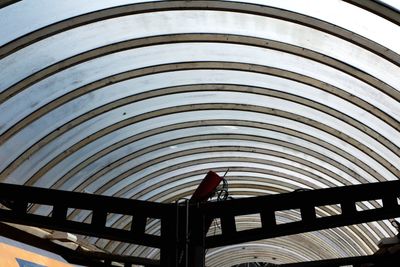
139 99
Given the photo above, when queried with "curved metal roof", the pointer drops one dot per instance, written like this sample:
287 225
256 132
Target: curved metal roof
138 99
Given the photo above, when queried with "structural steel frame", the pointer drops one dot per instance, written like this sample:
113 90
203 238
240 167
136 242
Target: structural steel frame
184 226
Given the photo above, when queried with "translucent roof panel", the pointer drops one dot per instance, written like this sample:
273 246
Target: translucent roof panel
139 99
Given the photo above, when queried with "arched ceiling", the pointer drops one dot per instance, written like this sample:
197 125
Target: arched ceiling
139 99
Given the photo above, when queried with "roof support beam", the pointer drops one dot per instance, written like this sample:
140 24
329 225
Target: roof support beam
16 199
19 198
379 8
5 3
78 256
361 261
305 204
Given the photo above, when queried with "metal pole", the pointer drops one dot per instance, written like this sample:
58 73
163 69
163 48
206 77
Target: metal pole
169 233
187 233
197 238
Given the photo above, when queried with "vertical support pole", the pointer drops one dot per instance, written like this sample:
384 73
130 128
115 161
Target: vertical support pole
197 230
187 233
169 235
183 233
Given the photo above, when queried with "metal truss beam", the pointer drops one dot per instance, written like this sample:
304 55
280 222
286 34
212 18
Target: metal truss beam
32 240
80 257
361 261
128 261
305 203
18 198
